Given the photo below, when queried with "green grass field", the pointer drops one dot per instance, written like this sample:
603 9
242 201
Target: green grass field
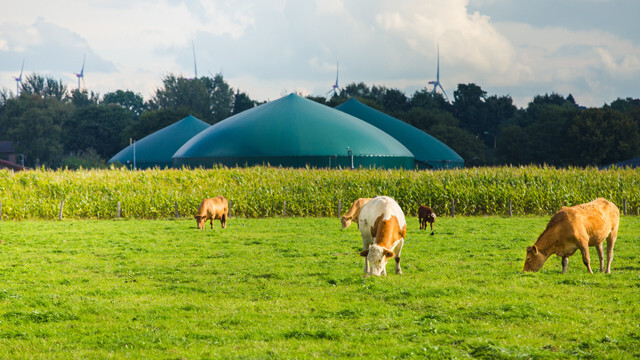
293 288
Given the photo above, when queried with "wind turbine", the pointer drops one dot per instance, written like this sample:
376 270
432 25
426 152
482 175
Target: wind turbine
335 86
81 74
19 79
436 83
195 68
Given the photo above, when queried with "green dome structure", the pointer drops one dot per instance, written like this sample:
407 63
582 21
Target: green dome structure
429 152
156 149
294 132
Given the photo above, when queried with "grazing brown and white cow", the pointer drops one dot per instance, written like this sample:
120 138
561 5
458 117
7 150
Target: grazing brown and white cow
354 213
577 228
383 228
214 208
426 215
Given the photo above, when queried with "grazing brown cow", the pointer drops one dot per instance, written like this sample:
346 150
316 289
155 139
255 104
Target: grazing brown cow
354 213
383 228
426 215
577 228
214 208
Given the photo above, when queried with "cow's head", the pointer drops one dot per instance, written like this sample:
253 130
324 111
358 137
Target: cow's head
200 221
535 259
378 257
432 218
346 222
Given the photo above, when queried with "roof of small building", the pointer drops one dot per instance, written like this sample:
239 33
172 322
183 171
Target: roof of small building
428 151
294 131
157 148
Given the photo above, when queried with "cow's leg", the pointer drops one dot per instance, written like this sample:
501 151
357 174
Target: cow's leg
212 221
584 249
600 256
365 246
610 241
223 221
565 264
398 250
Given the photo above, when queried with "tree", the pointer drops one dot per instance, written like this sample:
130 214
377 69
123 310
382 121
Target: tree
97 127
128 100
394 101
602 136
242 102
34 124
186 96
221 97
469 108
35 84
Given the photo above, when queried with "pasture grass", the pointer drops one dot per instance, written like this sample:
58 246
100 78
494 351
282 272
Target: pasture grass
294 288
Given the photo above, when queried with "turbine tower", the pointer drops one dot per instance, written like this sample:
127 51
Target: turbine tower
436 82
335 87
19 79
81 74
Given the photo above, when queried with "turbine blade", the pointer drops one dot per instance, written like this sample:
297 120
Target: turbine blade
444 92
195 67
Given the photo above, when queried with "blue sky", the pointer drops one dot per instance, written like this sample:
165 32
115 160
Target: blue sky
269 48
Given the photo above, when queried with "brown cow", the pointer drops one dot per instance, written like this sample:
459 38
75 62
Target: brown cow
354 213
214 208
577 228
426 215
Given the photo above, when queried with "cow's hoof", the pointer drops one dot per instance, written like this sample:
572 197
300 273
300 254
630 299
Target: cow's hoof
432 233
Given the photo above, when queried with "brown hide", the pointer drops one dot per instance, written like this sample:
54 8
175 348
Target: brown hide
353 213
216 208
425 216
387 232
577 228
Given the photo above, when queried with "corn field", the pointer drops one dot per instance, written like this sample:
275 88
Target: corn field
268 192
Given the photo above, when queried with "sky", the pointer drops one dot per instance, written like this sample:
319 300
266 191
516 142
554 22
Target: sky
270 48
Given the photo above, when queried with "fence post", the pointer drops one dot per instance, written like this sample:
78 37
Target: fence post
0 210
60 213
176 209
230 203
284 208
339 207
624 207
453 208
510 208
119 209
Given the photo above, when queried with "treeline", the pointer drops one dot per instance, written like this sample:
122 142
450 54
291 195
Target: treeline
491 130
55 127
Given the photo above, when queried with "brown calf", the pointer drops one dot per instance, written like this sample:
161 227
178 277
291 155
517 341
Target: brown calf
426 215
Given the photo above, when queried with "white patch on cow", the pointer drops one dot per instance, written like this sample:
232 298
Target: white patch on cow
377 260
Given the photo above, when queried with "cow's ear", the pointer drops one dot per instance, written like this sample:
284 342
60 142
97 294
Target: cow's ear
532 249
364 252
388 253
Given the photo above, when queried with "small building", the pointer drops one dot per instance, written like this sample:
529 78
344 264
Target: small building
156 149
429 152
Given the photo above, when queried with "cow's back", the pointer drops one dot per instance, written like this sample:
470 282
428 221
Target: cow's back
213 206
380 207
597 218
